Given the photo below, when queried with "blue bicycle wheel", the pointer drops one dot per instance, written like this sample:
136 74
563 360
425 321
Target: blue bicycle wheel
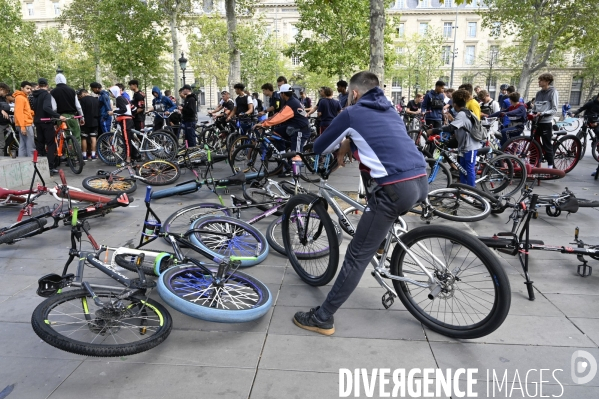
224 236
191 290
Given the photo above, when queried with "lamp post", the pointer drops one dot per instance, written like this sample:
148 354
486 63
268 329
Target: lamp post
454 53
183 65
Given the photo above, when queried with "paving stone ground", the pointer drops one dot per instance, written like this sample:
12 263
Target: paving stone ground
270 357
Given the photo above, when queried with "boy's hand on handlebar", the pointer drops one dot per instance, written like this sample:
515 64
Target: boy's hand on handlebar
344 149
257 125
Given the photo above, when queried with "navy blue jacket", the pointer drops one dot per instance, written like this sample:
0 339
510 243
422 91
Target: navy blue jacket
169 105
379 139
432 114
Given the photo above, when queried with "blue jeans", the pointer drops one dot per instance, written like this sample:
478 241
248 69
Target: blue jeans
189 131
468 162
105 123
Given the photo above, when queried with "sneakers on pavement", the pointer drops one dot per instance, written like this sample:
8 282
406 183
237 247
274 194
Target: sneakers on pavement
85 157
53 172
309 321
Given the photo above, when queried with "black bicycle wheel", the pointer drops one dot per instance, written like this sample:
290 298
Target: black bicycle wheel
73 152
290 188
73 322
310 240
475 292
459 205
238 141
110 153
180 221
567 151
216 140
248 159
11 147
442 178
103 185
14 233
504 175
274 236
160 145
159 172
260 196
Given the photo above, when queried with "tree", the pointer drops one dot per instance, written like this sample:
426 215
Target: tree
588 58
377 40
542 27
209 49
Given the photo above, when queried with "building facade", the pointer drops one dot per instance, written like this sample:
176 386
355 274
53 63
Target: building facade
471 49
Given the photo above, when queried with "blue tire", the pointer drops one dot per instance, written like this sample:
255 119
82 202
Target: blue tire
246 241
191 291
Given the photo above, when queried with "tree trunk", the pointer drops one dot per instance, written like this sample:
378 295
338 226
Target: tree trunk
97 60
175 40
377 38
234 55
525 75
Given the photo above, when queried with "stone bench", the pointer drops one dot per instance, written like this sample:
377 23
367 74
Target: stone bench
16 173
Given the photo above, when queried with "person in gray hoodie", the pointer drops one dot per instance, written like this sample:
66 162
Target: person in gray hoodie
546 105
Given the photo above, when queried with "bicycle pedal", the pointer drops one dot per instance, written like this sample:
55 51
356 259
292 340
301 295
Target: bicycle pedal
388 299
584 270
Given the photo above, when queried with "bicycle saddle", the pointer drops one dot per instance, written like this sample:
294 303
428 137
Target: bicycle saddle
560 132
237 178
483 151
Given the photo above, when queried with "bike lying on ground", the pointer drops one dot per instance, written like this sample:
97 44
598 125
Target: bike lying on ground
518 241
103 320
446 278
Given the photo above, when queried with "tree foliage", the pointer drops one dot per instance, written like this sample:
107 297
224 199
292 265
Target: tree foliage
544 28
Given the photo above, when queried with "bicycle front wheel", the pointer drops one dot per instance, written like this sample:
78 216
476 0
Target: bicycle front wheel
73 322
103 185
73 153
310 239
274 236
159 172
237 298
475 291
567 151
14 233
223 236
504 175
525 148
108 151
459 205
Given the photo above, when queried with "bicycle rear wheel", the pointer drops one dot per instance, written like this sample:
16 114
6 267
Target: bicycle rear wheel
238 298
504 175
567 151
475 292
525 148
165 148
107 151
102 185
274 236
310 240
459 205
73 153
73 322
224 236
159 172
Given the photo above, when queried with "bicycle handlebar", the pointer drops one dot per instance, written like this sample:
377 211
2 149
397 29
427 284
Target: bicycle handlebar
63 179
58 119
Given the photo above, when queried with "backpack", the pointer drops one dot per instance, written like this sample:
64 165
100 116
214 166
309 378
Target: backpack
476 131
487 109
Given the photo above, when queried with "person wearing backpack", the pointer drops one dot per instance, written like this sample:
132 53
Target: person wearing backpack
433 104
468 133
487 105
259 107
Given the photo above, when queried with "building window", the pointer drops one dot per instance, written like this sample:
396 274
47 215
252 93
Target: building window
56 8
444 79
401 30
577 59
422 28
294 31
447 28
399 4
492 86
467 79
469 56
493 54
446 54
295 60
471 29
448 3
30 9
576 91
424 3
396 82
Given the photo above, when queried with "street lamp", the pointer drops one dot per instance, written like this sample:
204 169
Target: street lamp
183 65
454 53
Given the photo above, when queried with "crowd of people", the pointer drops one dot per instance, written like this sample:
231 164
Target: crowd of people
36 108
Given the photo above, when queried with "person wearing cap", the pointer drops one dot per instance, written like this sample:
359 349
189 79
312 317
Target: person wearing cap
42 107
66 103
432 105
24 120
189 115
105 106
244 106
292 123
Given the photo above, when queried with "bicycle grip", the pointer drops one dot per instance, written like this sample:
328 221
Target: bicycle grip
45 119
34 156
148 194
63 179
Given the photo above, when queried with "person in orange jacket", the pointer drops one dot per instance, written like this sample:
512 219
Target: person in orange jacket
24 120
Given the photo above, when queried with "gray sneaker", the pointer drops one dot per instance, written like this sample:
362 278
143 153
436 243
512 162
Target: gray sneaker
309 321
